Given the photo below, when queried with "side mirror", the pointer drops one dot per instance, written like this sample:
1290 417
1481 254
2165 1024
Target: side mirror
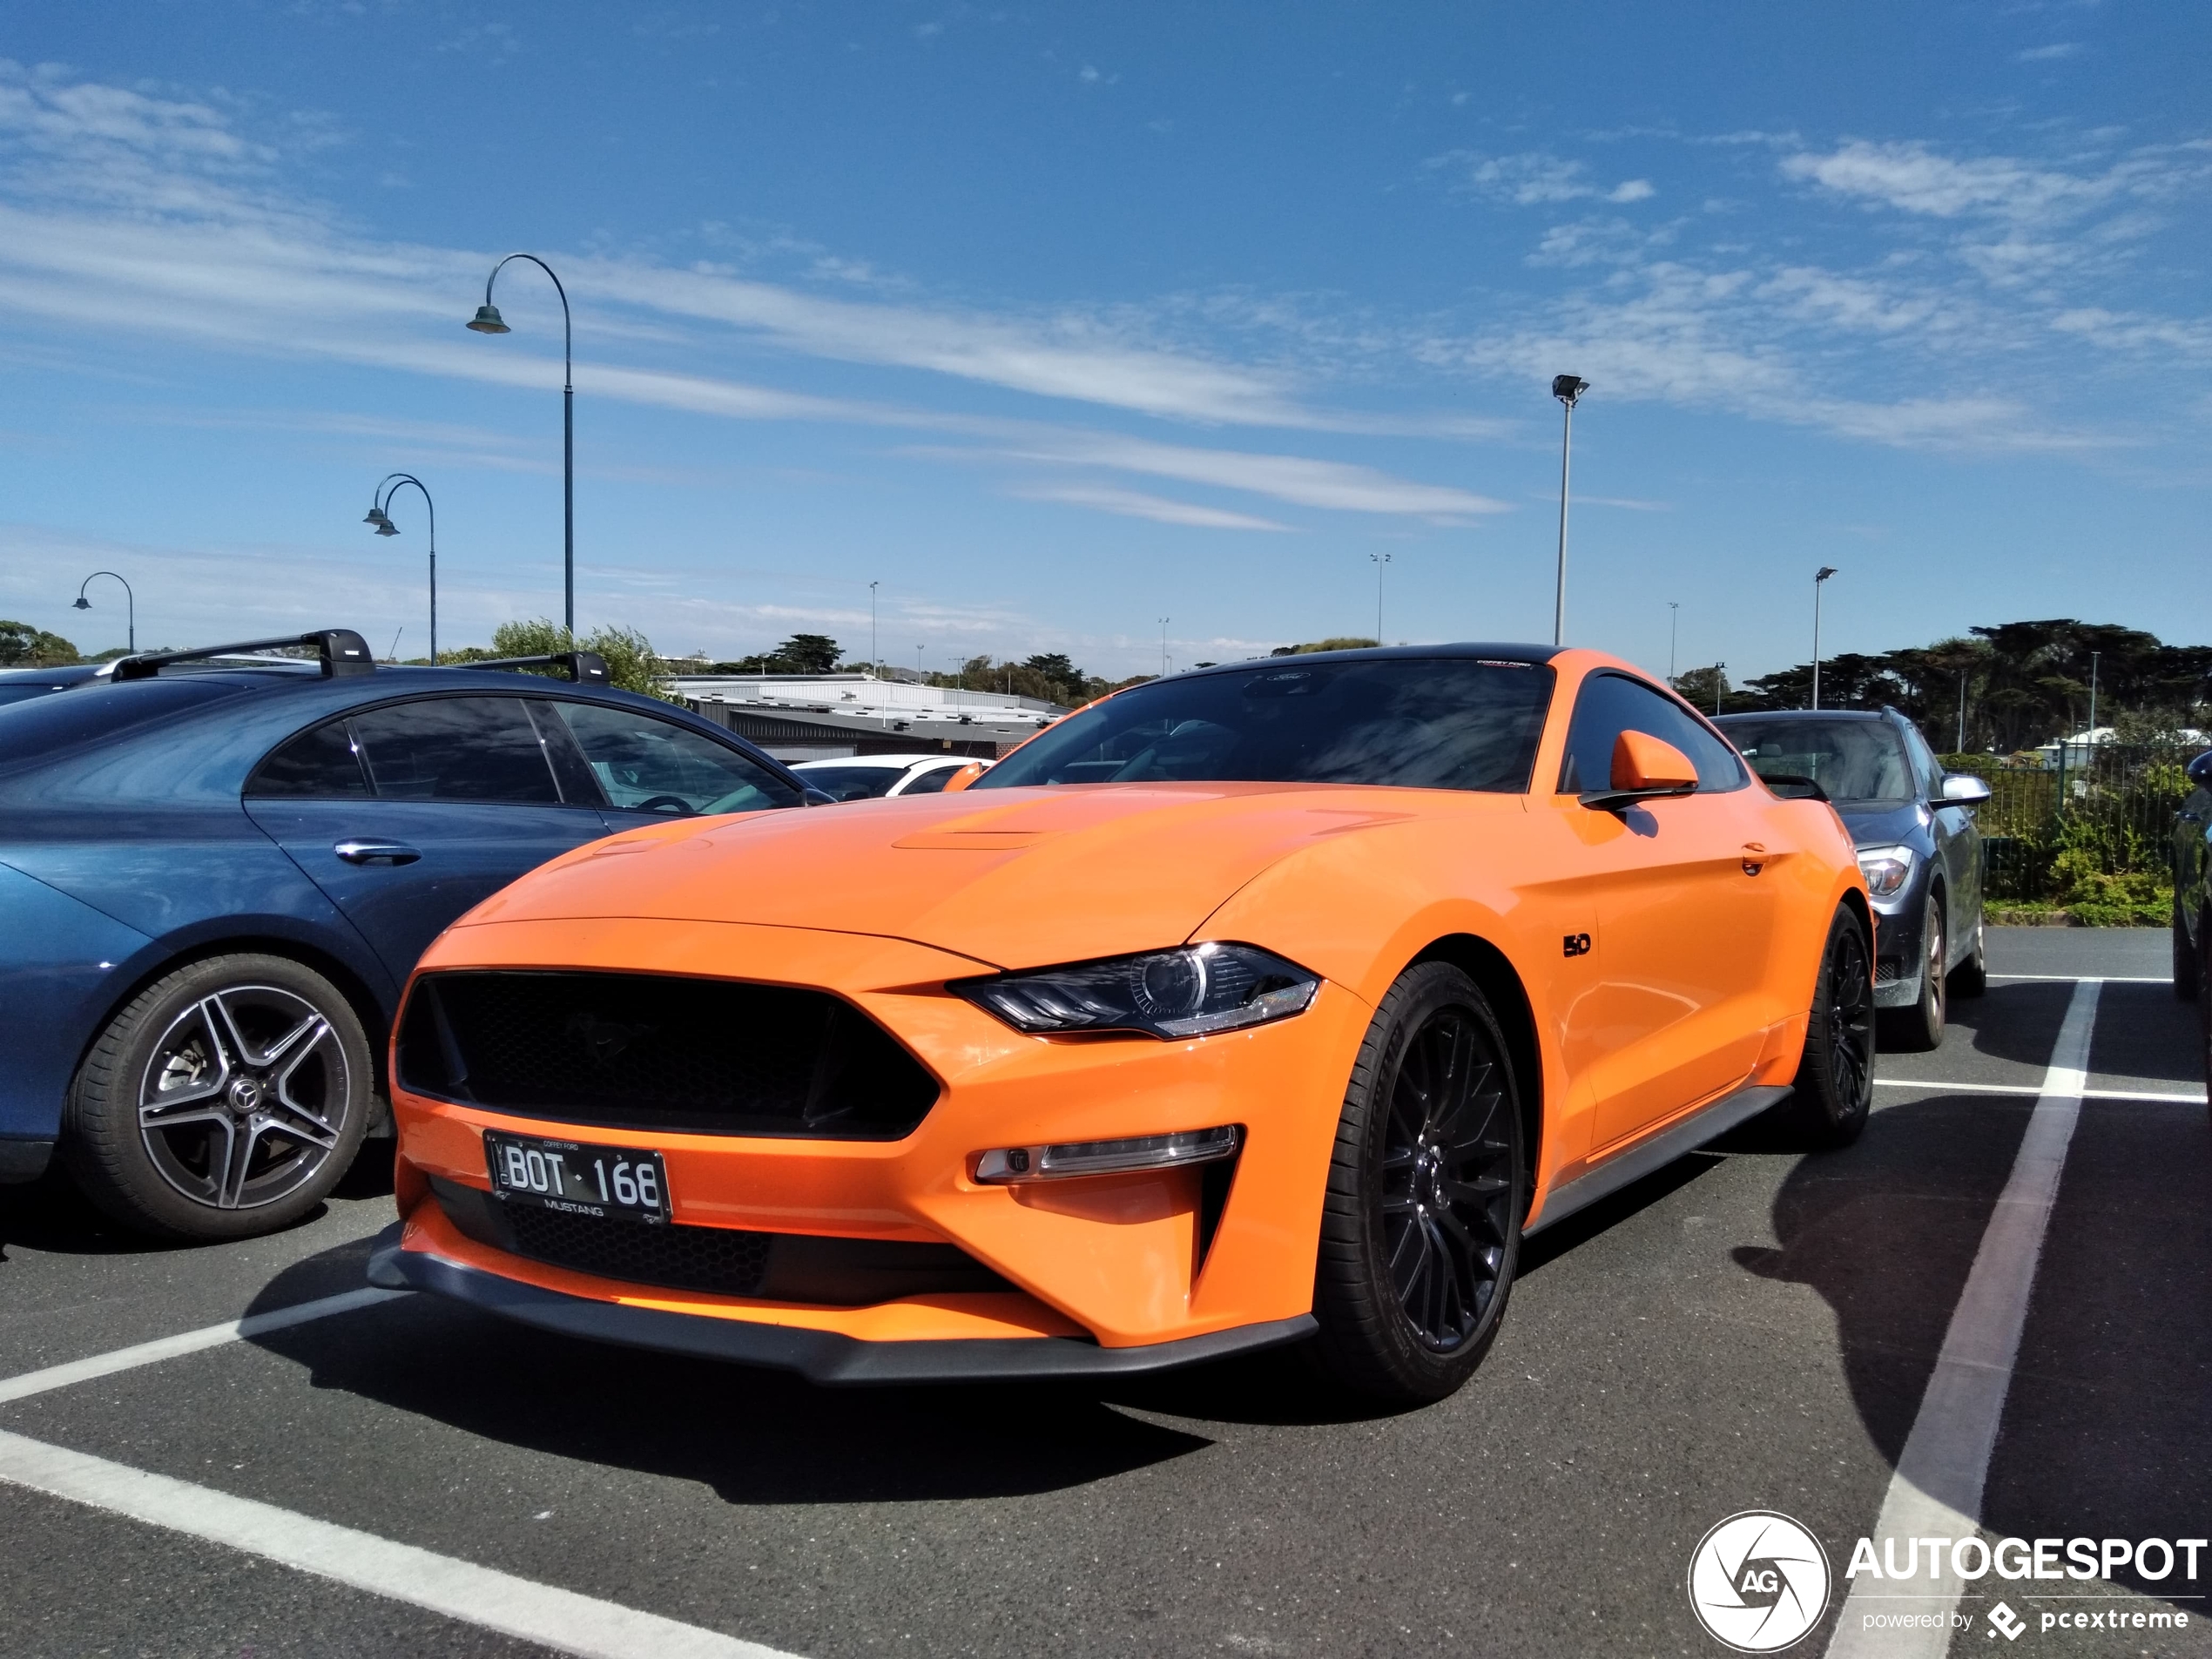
1964 789
1643 762
966 775
2201 769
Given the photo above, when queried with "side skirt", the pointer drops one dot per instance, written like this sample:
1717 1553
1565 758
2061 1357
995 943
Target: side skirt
1663 1149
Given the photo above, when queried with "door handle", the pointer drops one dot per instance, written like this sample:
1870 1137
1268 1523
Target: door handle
375 852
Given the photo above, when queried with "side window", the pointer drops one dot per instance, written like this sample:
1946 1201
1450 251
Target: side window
651 766
932 782
1611 704
321 762
455 748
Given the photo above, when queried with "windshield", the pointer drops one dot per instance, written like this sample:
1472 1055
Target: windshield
1416 723
1851 760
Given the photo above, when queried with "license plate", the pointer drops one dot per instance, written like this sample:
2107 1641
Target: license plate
578 1178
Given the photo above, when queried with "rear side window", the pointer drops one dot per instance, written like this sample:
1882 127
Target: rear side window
853 783
1611 704
645 764
455 748
320 762
932 782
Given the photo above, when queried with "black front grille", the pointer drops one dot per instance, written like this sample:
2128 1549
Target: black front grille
1888 970
715 1259
657 1051
776 1267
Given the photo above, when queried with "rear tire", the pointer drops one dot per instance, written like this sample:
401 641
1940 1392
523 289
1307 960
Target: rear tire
1835 1082
224 1101
2186 980
1420 1230
1920 1028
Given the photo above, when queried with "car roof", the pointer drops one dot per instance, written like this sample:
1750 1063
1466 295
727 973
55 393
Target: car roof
1490 650
59 674
197 732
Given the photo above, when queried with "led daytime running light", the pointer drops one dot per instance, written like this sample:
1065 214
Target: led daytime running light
1007 1165
1191 991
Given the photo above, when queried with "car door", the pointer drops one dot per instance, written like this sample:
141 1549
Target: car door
650 769
1672 1005
409 813
1957 839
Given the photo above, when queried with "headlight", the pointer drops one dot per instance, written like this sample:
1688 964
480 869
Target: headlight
1188 992
1886 869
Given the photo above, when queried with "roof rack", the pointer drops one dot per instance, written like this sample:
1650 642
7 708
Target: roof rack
585 667
341 651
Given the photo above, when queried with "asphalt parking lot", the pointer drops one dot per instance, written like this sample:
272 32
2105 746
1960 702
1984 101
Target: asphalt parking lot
1752 1328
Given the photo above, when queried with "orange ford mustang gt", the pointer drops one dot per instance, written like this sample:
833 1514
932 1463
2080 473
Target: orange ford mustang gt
1272 1003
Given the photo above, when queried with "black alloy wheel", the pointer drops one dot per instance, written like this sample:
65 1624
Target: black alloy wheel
1920 1028
225 1100
2203 999
1420 1231
1835 1082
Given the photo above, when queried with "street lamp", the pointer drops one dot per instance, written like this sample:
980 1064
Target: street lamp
1163 645
130 605
489 321
1674 630
1567 388
1720 678
875 656
1819 581
2092 702
1380 560
379 515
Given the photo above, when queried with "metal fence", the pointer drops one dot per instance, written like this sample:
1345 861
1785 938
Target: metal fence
2093 837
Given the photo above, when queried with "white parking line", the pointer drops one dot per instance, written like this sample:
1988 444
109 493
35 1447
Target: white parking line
517 1606
2088 979
213 1336
1935 1491
2170 1097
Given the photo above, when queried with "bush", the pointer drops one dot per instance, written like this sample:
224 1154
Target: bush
631 663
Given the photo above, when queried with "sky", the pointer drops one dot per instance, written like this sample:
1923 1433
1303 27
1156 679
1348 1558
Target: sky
1139 332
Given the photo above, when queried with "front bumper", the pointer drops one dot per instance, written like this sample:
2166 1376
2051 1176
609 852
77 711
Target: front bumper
1101 1275
819 1356
1898 952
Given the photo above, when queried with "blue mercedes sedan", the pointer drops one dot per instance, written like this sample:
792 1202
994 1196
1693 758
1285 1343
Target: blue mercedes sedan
218 869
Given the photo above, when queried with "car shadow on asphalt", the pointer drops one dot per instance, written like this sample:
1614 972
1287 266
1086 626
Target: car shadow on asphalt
2108 1426
754 1436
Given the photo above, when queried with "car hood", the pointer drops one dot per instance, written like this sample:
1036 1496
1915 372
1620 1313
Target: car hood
1886 824
1013 879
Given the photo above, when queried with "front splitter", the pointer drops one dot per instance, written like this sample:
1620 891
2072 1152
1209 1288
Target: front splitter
819 1356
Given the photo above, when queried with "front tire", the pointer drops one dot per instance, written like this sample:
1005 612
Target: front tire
224 1101
1920 1028
1420 1230
1835 1082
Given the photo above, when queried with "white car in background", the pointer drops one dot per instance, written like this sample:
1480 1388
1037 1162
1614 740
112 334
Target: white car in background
871 777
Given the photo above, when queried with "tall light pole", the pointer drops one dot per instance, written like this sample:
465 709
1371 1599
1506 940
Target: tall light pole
1163 645
1674 630
1380 560
1819 581
379 515
876 654
1720 678
1962 749
489 321
2092 699
1567 388
130 605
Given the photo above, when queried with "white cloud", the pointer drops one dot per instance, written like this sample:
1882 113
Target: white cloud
2048 54
1533 177
1914 179
1131 503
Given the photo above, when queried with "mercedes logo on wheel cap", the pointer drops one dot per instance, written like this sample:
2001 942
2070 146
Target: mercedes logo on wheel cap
1759 1581
246 1097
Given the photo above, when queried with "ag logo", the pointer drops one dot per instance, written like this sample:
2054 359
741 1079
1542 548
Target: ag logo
1759 1581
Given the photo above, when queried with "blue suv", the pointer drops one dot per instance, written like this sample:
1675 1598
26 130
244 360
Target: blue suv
217 870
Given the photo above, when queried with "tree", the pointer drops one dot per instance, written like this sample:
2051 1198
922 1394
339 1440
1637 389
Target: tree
631 663
1343 642
24 647
808 654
